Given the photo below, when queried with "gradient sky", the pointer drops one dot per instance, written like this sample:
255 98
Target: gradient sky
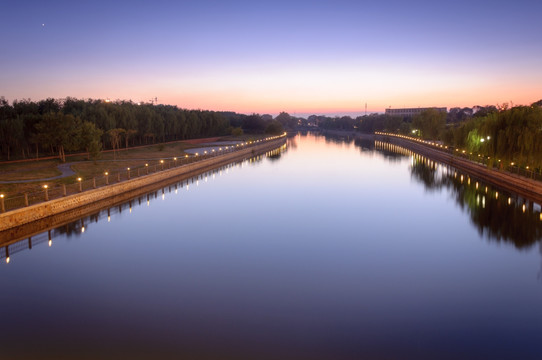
270 56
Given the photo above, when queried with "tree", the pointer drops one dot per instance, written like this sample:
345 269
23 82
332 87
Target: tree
59 131
254 123
129 134
274 128
90 139
114 137
430 122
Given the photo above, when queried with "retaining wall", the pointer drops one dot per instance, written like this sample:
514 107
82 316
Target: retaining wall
527 188
70 203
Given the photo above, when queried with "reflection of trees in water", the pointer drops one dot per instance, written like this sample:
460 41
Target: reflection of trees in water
365 144
338 139
489 212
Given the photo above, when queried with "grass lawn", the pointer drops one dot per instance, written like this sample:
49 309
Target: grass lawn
87 169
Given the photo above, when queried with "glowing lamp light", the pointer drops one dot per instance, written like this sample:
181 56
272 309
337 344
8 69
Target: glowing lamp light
79 179
146 164
106 173
161 161
50 243
7 259
175 158
44 186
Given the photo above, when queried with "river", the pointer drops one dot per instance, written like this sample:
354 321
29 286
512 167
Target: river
326 249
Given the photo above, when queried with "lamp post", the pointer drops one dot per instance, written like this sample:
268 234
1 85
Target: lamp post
147 168
162 162
2 203
80 184
106 178
46 188
128 171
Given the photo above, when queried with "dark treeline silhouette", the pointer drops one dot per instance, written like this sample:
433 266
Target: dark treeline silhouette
31 129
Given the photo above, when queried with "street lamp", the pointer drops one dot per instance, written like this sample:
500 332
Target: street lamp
80 184
162 162
128 170
46 187
2 202
106 178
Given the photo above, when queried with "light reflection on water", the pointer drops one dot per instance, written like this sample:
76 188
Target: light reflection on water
332 249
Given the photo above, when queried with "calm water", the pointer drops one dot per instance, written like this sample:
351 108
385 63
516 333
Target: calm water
329 250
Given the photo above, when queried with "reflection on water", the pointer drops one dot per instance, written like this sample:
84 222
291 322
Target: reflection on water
498 215
339 250
76 228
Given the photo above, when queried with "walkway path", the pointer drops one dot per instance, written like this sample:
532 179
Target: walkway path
66 170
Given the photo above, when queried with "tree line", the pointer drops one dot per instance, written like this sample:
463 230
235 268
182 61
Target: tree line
31 129
501 133
508 134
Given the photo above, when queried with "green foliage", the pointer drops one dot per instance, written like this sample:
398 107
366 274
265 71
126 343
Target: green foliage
59 131
90 139
286 120
238 131
274 128
254 123
142 124
430 123
509 135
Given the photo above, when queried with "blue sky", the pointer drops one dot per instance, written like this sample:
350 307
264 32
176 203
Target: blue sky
271 56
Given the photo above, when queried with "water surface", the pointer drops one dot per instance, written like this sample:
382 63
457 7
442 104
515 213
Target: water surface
330 249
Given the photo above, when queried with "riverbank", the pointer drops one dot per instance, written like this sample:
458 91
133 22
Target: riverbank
81 203
525 187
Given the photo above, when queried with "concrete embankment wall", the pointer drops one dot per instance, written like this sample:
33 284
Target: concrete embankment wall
79 202
527 188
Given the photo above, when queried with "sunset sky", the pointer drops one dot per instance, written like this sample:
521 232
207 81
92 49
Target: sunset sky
302 57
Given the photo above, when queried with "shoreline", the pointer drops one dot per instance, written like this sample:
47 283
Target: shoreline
523 186
85 202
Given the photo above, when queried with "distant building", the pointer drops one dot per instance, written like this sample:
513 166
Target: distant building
410 112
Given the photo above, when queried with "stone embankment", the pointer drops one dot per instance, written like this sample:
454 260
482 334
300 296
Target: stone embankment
80 203
527 188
